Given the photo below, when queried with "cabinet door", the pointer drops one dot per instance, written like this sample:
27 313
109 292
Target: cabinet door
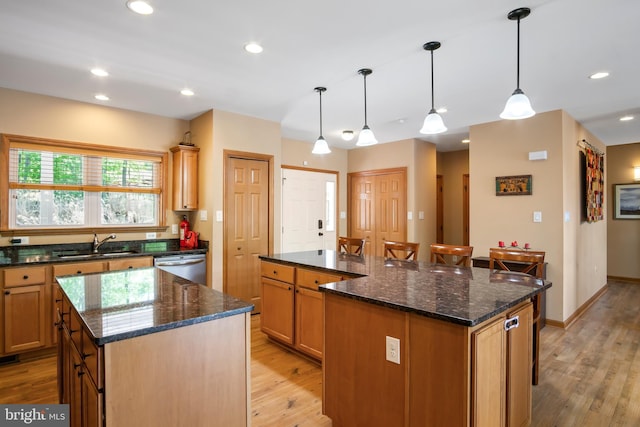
309 322
75 382
488 346
91 404
519 341
78 268
25 316
277 310
185 178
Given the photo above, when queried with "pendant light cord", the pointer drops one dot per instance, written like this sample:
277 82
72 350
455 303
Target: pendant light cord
320 92
518 59
365 99
432 94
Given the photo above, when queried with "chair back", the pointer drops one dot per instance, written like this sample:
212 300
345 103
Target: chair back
401 250
534 259
440 253
351 245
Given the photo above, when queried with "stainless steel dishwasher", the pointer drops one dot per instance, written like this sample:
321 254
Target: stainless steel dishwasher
191 267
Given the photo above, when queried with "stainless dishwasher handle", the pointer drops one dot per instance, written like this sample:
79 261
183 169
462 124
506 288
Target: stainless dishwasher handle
175 263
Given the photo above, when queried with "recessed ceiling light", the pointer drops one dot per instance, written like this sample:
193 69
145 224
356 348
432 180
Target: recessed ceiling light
101 97
253 47
466 141
626 118
187 92
441 110
99 72
599 75
140 7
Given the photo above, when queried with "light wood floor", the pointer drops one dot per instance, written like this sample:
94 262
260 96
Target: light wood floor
590 373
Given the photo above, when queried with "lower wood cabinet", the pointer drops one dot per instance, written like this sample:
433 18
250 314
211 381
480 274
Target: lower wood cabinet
292 311
448 375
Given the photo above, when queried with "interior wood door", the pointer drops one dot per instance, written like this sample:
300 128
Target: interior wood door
439 209
465 209
378 207
362 210
391 210
246 227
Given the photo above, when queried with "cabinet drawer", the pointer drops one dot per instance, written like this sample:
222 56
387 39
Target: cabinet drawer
78 268
311 278
284 273
91 354
24 276
127 263
75 329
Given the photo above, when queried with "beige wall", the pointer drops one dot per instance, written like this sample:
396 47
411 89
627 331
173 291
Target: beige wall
419 157
298 154
623 236
575 252
452 165
238 133
28 114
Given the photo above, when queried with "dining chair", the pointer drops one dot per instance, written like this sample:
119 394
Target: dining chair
441 253
401 250
529 262
351 245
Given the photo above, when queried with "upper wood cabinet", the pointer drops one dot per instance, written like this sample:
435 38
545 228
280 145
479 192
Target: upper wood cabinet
185 178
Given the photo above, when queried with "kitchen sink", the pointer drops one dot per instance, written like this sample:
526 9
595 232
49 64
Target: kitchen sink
95 255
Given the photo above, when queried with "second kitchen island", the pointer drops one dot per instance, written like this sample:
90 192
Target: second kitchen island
417 344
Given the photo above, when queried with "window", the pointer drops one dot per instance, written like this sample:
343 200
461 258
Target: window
61 185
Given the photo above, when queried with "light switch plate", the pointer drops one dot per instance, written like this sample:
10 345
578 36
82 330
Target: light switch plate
537 216
203 215
151 235
409 215
219 216
174 228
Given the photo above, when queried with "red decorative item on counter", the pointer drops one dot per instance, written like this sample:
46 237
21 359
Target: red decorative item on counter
514 244
501 244
184 229
527 246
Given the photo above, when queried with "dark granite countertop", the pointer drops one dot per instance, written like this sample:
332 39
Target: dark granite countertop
462 295
118 305
56 253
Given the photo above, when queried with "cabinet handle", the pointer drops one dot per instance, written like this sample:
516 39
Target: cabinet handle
85 355
80 373
25 277
315 281
79 272
514 322
76 365
71 331
275 273
7 292
58 300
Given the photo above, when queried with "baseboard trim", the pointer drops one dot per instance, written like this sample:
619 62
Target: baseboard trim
580 311
624 279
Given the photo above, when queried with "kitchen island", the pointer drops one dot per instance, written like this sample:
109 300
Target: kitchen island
417 344
145 347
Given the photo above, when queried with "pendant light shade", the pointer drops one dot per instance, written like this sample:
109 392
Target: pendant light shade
366 136
433 123
321 146
518 105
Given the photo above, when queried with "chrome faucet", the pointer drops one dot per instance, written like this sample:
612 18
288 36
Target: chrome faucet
97 243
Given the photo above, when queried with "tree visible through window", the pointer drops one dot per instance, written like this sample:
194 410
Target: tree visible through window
66 185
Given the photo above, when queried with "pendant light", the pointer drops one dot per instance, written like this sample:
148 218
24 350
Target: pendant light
321 146
518 105
433 122
366 136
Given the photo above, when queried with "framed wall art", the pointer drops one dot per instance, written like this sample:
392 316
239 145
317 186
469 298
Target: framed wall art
518 185
626 201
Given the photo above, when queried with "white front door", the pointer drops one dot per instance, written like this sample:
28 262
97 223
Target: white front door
308 210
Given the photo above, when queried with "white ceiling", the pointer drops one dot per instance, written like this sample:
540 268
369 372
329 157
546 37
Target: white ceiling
48 47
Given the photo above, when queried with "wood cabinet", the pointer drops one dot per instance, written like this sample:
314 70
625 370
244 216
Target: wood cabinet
25 309
448 374
292 311
29 297
185 178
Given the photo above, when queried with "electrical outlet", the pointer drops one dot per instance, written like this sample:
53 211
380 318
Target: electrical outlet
19 240
393 350
151 235
174 228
